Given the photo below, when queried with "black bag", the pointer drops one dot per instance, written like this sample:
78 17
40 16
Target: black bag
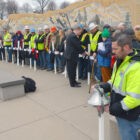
30 85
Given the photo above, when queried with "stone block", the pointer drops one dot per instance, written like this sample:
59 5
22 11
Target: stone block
11 86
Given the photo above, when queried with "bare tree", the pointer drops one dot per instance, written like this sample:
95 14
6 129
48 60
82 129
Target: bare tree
51 6
64 5
12 7
26 8
42 4
2 9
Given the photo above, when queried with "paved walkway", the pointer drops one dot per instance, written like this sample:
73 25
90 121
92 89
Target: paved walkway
54 112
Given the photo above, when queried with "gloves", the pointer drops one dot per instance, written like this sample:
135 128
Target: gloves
116 109
106 87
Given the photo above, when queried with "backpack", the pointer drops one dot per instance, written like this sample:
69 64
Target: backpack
30 85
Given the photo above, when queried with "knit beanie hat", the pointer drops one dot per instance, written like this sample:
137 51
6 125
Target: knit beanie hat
105 33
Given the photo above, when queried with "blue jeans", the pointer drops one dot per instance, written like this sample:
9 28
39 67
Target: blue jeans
42 59
61 61
128 130
48 63
97 70
9 53
58 61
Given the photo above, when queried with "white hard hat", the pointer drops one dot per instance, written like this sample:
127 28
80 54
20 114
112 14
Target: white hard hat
26 27
40 29
46 27
92 26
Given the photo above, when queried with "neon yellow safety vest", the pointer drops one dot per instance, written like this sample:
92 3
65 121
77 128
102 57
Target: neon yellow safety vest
40 45
25 37
126 82
6 38
83 39
94 41
33 37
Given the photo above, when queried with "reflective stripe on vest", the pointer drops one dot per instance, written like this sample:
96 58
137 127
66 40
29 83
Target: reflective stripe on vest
25 37
33 40
94 41
7 37
83 39
122 74
40 45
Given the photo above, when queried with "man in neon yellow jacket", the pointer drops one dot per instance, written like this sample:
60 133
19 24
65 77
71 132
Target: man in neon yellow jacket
41 48
8 43
124 86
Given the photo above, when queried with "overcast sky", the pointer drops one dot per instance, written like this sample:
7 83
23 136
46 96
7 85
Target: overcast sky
31 1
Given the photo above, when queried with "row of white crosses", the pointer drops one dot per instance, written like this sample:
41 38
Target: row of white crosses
35 64
18 49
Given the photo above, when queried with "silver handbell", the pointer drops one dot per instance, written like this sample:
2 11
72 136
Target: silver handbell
98 98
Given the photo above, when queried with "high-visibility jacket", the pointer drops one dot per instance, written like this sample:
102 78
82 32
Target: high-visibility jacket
83 39
40 45
94 41
126 82
7 40
25 37
33 37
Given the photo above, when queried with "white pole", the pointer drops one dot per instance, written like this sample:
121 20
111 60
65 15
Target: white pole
34 57
12 54
23 52
2 53
18 53
89 64
55 70
1 50
2 56
77 73
66 71
66 64
29 54
101 127
101 120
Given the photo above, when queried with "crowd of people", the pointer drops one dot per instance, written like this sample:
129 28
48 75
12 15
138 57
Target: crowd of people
111 55
49 45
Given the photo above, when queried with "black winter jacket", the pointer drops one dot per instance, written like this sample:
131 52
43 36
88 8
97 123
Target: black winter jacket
73 48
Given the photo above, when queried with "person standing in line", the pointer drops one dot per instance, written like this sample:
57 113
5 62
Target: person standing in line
8 43
48 34
19 37
33 44
55 40
95 38
73 50
61 49
27 38
41 48
104 54
124 86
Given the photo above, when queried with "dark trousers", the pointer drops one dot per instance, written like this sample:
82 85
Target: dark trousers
71 69
83 68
